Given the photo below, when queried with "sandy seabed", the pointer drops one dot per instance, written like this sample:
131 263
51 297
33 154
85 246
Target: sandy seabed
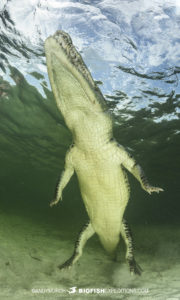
32 248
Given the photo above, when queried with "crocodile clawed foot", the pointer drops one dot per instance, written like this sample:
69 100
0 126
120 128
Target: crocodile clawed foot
66 265
135 269
151 189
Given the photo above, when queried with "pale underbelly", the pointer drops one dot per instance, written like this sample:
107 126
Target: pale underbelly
106 210
105 193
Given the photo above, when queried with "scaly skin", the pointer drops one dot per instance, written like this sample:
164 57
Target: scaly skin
95 156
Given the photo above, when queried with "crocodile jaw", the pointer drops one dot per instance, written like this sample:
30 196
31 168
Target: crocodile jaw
70 79
77 96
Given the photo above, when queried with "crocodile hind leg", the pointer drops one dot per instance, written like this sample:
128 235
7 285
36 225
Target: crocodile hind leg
127 236
86 232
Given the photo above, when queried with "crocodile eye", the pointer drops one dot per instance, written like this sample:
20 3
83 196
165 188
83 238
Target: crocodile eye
67 40
72 53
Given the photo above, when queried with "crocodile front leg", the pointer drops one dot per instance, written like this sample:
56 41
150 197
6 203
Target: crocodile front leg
130 164
138 173
65 177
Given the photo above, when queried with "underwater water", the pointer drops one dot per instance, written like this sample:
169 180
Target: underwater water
132 50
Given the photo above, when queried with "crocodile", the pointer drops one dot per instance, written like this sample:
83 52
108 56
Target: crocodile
95 156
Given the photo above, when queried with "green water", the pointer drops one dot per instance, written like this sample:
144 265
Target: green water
35 238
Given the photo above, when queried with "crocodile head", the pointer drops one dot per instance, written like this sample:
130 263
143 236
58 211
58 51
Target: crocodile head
71 81
77 96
